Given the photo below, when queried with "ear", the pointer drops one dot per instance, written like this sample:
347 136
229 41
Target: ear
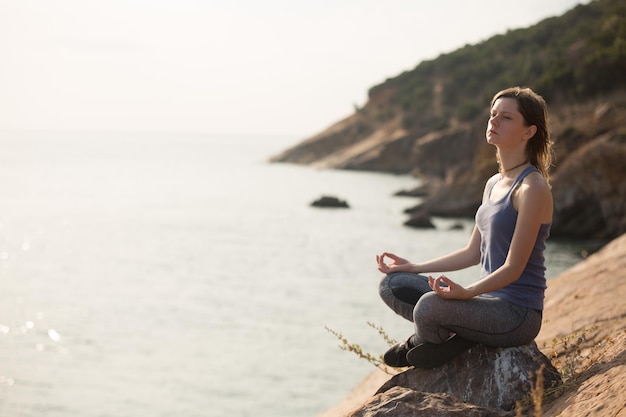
530 132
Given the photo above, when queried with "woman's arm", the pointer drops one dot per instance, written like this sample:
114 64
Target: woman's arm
462 258
459 259
454 261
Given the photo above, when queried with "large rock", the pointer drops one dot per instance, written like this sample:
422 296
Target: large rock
483 382
404 402
589 189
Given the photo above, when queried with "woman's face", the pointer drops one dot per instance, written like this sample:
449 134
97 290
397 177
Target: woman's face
506 124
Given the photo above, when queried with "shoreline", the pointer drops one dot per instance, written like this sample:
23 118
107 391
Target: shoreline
589 295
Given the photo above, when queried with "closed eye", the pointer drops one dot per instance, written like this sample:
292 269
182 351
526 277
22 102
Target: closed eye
504 116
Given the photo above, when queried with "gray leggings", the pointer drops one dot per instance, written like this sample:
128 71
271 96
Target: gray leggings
490 321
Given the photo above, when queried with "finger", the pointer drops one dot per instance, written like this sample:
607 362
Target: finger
447 281
431 282
436 282
382 267
437 288
440 287
390 255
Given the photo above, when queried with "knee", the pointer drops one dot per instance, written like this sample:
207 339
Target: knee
427 308
391 284
427 316
384 288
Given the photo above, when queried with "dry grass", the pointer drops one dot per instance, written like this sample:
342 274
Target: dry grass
572 358
376 360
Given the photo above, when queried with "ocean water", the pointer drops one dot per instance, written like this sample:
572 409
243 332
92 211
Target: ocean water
183 275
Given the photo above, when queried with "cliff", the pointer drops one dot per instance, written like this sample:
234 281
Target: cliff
430 122
585 308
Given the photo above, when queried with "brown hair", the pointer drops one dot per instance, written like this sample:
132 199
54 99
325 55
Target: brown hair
535 112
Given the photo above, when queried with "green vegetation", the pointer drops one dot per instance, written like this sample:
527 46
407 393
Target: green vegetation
577 56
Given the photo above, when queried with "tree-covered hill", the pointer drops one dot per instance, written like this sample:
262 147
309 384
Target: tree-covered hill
574 57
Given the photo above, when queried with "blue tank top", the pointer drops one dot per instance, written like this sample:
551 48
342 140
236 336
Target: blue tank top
496 222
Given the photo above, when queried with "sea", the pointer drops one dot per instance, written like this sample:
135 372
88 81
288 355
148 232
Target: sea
161 274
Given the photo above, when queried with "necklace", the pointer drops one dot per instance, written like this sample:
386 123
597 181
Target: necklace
516 166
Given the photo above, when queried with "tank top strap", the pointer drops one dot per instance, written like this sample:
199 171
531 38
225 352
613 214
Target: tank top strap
516 183
523 175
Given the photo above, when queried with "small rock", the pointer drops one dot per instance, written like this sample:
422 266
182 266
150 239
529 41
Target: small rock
328 201
456 226
420 191
420 220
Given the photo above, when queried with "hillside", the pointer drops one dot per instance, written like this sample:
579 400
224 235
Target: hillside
430 121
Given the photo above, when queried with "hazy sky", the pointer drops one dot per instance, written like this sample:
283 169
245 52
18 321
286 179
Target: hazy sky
230 66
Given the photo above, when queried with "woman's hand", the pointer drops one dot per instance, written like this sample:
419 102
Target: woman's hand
397 264
444 287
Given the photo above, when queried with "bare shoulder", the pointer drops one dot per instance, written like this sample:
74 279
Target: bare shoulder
535 183
535 195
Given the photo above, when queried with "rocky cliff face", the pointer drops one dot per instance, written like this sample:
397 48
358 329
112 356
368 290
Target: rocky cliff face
455 162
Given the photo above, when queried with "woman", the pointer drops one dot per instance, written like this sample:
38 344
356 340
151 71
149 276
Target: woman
504 308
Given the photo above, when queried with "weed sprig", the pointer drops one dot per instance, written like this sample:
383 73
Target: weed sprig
376 360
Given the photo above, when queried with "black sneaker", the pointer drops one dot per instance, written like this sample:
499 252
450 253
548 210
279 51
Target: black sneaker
430 355
396 355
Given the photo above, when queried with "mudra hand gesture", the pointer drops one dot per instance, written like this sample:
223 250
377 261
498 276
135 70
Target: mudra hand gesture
444 287
397 264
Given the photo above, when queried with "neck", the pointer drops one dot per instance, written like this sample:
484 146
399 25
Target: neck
505 170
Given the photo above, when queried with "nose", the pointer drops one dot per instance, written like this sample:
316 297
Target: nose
494 120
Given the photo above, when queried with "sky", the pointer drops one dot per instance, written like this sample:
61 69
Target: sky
271 67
